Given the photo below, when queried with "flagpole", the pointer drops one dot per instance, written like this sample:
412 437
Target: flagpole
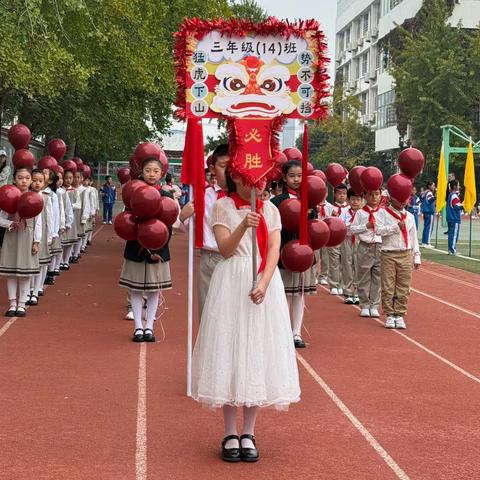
437 218
190 299
470 237
253 206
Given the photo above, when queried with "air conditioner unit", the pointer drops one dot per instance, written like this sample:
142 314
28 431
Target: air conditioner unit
354 45
371 118
372 75
374 32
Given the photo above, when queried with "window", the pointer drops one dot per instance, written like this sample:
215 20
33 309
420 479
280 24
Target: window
394 3
347 36
356 69
341 42
364 100
346 73
364 60
386 115
364 25
378 58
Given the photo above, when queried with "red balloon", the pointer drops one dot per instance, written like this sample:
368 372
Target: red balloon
168 212
335 174
30 205
9 197
148 150
371 179
125 226
399 187
310 168
354 179
317 191
338 231
123 175
23 158
293 153
320 174
57 148
59 170
69 166
411 162
129 188
78 161
19 136
164 161
87 171
145 202
296 257
280 158
152 234
290 214
47 162
319 233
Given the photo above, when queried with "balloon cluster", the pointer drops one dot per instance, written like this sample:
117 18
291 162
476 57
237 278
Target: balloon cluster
143 152
148 215
26 205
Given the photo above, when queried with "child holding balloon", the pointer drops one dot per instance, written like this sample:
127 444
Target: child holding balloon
81 211
70 198
146 272
19 255
296 284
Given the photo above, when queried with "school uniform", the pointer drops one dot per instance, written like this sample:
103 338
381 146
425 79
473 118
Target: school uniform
56 246
413 206
368 255
69 198
321 256
334 254
428 210
347 255
45 254
400 251
295 283
454 219
109 195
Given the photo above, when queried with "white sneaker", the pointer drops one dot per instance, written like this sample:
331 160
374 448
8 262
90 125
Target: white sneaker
400 323
104 223
340 291
129 316
374 313
364 312
390 322
429 246
334 291
323 281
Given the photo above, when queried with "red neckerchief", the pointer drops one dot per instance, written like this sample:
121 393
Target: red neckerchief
321 210
262 230
293 192
339 211
352 217
220 193
400 218
371 216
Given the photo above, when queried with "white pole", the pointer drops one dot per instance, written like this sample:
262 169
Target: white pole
190 298
253 206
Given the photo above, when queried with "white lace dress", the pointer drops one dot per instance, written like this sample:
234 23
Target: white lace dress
244 354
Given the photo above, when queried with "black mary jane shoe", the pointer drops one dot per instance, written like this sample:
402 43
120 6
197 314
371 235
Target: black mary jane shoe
11 312
56 273
230 454
63 266
21 312
41 293
33 301
298 341
49 279
148 335
74 260
249 454
138 335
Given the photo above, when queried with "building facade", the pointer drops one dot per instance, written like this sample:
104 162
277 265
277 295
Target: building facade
363 67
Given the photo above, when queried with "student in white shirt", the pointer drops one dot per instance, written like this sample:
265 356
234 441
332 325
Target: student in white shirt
321 256
400 252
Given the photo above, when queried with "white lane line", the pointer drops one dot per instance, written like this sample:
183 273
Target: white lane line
457 255
452 305
355 421
426 349
10 322
141 442
447 277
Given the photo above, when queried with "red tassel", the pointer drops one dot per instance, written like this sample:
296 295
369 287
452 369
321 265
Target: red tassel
304 189
199 193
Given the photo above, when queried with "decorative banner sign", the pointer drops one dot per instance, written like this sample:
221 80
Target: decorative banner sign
238 69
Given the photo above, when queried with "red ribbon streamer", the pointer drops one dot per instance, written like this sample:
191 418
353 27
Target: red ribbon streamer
304 190
262 230
199 185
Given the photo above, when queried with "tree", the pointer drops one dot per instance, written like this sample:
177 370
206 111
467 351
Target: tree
248 10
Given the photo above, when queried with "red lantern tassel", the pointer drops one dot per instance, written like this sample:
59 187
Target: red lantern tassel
304 189
199 193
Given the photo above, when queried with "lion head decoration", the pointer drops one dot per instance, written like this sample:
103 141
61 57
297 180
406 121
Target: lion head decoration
250 88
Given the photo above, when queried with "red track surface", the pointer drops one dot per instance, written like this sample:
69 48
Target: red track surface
70 380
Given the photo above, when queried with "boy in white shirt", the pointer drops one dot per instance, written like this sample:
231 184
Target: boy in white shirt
321 256
368 255
400 251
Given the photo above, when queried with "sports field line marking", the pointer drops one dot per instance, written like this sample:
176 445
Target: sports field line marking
452 305
141 437
10 322
385 456
457 255
425 349
447 277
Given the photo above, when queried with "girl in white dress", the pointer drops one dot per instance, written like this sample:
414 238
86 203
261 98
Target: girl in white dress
244 355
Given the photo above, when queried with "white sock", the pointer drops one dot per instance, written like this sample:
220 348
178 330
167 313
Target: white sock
58 261
12 291
23 287
152 306
76 248
296 313
89 237
136 299
67 253
84 241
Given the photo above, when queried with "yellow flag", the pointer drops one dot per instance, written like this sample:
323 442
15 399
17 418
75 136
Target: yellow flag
441 183
470 197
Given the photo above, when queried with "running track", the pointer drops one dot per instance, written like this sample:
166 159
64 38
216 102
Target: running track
80 401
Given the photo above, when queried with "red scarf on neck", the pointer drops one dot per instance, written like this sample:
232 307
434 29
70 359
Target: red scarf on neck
339 206
321 210
371 216
293 192
401 218
262 230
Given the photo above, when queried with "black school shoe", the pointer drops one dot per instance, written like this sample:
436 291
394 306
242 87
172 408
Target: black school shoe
74 260
64 266
148 335
21 312
298 342
138 335
230 454
49 279
11 312
249 454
